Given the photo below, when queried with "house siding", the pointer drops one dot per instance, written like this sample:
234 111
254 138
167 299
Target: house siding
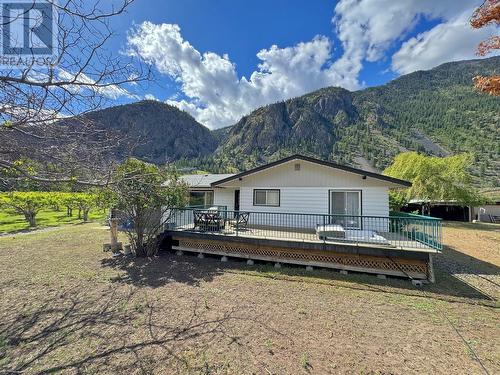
309 175
304 189
374 202
224 197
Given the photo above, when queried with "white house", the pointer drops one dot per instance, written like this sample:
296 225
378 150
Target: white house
305 211
297 184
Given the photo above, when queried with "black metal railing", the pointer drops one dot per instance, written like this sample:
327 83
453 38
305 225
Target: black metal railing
397 231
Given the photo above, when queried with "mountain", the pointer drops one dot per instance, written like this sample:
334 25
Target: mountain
437 112
153 131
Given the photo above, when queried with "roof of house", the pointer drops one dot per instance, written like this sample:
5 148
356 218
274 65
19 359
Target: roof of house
311 160
203 180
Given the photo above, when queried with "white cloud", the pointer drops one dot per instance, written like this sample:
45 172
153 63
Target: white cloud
215 95
150 97
449 41
82 81
368 28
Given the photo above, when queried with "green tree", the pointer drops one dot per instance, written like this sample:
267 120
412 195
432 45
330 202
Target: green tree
84 202
146 194
67 200
434 179
27 204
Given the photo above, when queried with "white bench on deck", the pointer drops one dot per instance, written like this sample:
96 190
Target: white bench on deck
336 231
330 231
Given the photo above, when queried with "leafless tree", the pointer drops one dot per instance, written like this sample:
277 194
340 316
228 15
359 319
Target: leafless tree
83 77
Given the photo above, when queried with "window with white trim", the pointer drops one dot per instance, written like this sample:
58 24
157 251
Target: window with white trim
266 197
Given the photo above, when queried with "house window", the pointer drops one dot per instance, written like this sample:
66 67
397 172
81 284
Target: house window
345 205
266 197
201 198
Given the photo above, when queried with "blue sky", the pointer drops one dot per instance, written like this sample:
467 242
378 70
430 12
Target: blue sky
202 49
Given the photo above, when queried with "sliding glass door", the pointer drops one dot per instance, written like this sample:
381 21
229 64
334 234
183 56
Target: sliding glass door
347 205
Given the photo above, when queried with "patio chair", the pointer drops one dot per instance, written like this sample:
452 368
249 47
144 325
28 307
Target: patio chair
199 219
240 220
213 221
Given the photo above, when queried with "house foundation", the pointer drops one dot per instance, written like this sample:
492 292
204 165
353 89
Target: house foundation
341 256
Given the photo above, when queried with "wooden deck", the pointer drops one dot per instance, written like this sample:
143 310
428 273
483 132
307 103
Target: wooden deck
390 240
368 258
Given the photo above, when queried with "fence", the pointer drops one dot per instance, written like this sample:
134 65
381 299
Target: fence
399 230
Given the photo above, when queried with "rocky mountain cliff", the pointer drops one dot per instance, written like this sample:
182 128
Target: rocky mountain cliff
435 111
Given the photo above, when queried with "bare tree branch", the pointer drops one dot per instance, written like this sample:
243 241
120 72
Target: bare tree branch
84 77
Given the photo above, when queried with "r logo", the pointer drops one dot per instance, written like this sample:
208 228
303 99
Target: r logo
28 29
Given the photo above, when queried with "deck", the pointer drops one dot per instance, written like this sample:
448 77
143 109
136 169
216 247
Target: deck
367 258
391 240
387 245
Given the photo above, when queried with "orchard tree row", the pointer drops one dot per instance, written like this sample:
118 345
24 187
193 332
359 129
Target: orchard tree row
29 204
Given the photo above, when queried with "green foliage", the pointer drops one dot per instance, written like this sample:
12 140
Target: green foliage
145 194
397 200
29 204
25 203
434 178
84 202
22 182
436 112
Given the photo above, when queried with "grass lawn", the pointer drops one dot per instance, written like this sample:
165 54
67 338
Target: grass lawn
10 221
67 307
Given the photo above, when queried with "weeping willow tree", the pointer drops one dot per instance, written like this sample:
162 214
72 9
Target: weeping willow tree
433 179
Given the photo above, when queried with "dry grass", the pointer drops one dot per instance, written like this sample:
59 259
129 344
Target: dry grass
67 307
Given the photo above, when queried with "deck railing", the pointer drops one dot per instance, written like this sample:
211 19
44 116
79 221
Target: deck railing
403 231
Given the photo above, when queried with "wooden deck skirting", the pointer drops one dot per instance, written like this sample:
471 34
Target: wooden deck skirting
415 265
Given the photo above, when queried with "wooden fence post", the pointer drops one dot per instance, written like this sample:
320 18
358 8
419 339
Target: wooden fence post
114 234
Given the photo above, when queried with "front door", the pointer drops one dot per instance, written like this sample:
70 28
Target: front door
236 200
346 208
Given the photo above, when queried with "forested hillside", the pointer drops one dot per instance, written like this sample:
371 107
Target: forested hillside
154 131
437 112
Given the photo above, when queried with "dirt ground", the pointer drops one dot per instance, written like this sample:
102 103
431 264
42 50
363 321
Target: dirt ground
67 307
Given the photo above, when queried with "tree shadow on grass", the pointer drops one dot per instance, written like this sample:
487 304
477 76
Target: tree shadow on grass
158 271
448 285
111 330
188 269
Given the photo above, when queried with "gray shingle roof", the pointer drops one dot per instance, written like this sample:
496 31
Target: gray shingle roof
203 180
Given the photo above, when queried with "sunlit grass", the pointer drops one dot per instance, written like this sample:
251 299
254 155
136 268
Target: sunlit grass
11 222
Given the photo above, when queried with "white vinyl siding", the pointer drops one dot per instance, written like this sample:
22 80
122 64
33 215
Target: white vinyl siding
314 200
309 175
224 197
305 190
